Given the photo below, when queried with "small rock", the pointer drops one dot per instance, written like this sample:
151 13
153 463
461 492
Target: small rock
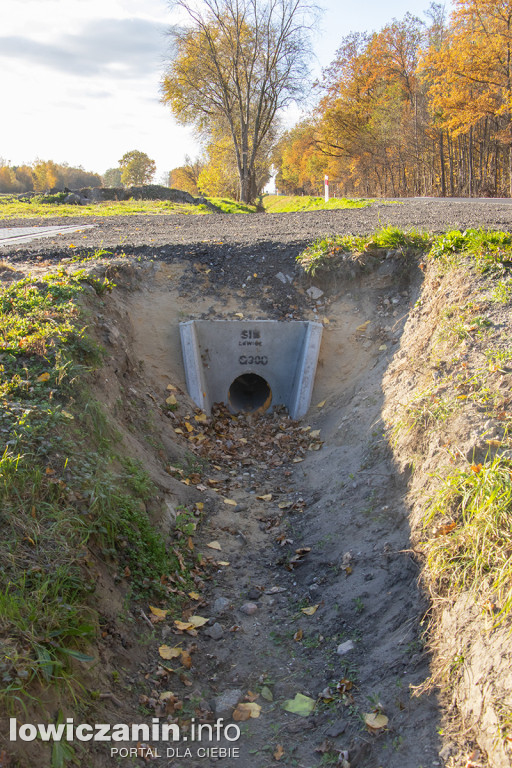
345 648
226 702
249 608
254 594
215 631
220 605
314 293
336 729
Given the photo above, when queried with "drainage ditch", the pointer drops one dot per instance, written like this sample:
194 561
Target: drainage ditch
314 590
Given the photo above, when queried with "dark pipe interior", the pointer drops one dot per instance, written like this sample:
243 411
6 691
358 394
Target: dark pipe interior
249 392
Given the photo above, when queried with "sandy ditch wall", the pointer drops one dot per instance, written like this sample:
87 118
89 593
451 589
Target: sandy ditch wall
446 409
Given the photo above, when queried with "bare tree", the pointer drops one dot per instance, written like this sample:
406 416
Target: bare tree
237 64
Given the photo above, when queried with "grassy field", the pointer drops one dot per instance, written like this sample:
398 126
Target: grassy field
291 203
11 208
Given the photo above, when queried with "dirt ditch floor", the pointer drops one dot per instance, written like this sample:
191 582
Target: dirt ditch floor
311 586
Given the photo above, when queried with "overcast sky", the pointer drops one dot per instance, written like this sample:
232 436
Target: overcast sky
79 79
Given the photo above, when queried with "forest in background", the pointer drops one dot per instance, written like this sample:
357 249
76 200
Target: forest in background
415 109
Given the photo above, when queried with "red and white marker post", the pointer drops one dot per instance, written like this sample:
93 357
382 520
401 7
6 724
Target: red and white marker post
326 189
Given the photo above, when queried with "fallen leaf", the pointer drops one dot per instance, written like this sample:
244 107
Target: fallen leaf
251 696
265 497
199 505
161 614
444 529
232 502
186 659
194 595
43 377
279 752
198 621
344 685
311 610
300 705
267 693
315 433
189 427
298 635
375 721
222 562
171 388
321 405
67 415
476 468
362 328
201 418
171 400
192 623
214 545
166 652
246 710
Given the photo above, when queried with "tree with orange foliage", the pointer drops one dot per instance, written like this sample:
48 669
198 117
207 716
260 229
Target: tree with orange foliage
471 76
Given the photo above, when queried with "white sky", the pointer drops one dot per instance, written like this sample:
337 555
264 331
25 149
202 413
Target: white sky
79 79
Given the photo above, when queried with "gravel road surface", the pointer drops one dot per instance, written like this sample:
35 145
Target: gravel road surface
179 236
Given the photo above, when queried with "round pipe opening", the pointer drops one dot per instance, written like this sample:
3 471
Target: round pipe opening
249 392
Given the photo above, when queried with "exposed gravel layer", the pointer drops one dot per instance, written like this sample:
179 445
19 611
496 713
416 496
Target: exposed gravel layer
282 235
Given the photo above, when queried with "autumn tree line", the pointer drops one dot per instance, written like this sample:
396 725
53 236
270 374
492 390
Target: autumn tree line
414 109
418 108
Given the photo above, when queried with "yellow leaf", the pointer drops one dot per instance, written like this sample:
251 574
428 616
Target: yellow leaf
199 505
279 752
189 426
158 612
311 610
315 433
166 652
43 377
297 461
201 418
362 328
298 635
239 314
265 497
184 625
245 710
72 245
171 388
300 705
375 721
67 415
171 400
179 431
321 405
198 621
214 545
232 502
194 595
222 562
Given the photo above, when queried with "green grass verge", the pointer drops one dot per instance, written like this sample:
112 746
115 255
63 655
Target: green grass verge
68 501
291 203
472 550
11 208
330 252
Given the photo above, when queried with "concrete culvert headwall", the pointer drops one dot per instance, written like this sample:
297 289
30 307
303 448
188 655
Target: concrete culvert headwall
251 365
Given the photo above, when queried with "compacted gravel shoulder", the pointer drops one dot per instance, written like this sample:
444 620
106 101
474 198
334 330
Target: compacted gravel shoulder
283 234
